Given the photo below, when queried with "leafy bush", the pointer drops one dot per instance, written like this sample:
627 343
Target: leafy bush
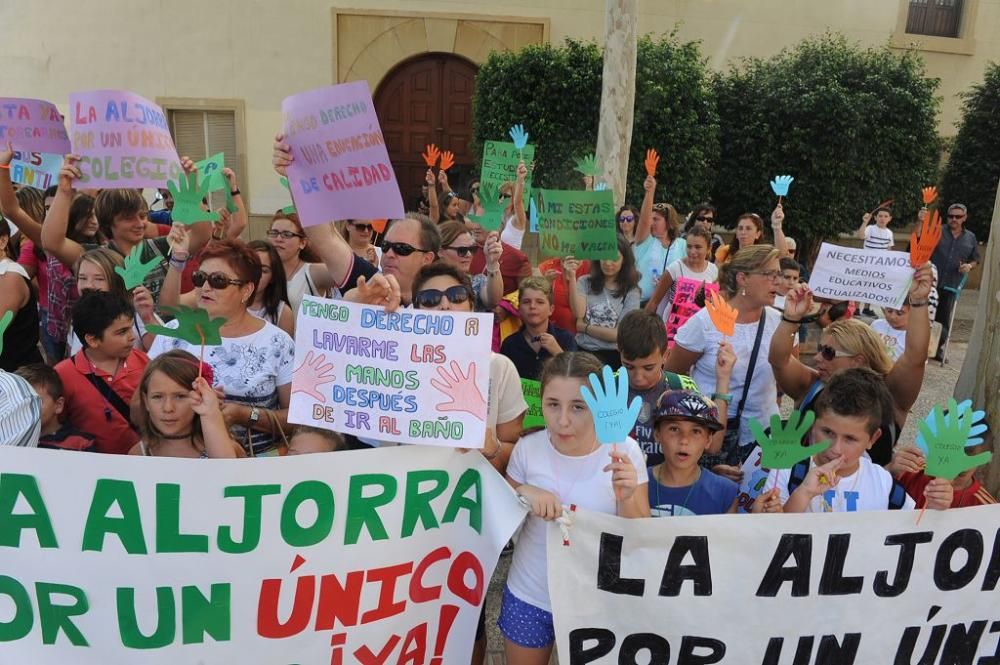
853 126
973 169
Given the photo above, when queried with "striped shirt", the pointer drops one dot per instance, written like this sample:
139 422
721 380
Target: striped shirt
20 412
878 238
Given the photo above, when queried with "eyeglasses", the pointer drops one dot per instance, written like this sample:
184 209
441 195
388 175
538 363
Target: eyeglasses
429 298
829 353
702 218
627 218
956 216
768 274
216 280
363 227
287 235
469 250
401 248
504 196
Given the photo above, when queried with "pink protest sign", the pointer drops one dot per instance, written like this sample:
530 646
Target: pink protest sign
685 303
123 140
341 167
32 125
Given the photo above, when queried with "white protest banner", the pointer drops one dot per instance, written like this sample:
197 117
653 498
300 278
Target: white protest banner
410 376
368 557
873 276
341 168
835 588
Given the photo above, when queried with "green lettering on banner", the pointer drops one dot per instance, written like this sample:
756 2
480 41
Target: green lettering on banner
362 511
128 527
128 624
168 529
470 479
12 486
202 616
500 159
253 506
55 618
24 617
533 396
294 533
577 223
417 505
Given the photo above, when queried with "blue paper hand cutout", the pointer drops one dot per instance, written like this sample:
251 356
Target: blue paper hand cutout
600 186
978 426
518 136
944 439
614 417
780 184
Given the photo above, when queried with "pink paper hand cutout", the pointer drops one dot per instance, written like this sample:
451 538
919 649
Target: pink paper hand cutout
461 389
311 374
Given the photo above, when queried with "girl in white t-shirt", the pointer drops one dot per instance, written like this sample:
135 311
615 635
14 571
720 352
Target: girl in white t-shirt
551 469
693 266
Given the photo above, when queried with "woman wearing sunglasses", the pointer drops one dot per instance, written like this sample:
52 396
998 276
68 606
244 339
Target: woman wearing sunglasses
656 241
358 233
458 248
748 282
851 343
626 220
304 271
253 365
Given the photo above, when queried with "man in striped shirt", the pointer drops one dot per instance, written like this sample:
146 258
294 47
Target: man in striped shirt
20 412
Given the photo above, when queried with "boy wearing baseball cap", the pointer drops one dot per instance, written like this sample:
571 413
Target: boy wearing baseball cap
684 423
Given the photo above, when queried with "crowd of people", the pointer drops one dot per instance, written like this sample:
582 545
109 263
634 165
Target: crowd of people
83 368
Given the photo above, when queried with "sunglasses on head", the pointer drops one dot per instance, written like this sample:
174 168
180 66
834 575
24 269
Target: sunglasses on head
216 280
464 251
829 353
287 235
429 298
400 248
363 227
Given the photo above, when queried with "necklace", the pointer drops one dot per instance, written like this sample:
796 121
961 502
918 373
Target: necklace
659 481
176 437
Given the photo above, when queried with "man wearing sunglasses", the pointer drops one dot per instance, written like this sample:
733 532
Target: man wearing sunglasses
956 254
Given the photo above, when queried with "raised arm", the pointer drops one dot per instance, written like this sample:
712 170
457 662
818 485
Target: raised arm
907 374
865 218
792 376
239 219
493 289
54 240
520 217
9 206
433 209
180 252
645 225
777 217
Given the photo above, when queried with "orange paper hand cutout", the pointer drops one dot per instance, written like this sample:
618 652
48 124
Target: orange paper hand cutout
930 234
447 160
431 156
723 314
929 193
652 161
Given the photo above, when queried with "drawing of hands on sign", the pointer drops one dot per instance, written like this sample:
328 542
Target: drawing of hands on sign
461 390
314 372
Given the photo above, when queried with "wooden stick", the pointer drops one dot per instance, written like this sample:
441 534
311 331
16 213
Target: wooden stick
201 363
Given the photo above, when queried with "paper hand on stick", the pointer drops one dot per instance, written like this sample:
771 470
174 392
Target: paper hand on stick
187 195
723 314
588 166
193 326
652 161
431 155
461 390
614 416
135 271
600 186
489 199
922 248
780 184
929 194
314 372
944 437
783 449
288 210
447 160
5 320
519 137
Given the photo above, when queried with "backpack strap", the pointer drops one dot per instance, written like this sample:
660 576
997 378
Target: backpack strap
112 398
797 474
897 496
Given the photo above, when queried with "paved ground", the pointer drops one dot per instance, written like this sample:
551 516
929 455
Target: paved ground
939 383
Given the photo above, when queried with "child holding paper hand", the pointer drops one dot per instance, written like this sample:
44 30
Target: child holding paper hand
554 468
841 478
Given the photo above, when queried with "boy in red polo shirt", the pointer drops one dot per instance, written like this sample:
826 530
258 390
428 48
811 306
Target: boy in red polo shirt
100 379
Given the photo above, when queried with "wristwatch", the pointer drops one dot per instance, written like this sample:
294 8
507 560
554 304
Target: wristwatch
726 397
235 192
254 415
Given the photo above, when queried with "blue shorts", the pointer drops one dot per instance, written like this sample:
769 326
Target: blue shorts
524 624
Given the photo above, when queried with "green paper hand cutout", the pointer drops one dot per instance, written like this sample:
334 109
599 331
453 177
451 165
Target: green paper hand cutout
588 166
4 322
489 198
187 195
784 449
288 210
947 439
193 326
135 271
210 170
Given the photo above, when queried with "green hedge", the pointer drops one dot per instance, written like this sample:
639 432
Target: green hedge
973 169
556 91
853 126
